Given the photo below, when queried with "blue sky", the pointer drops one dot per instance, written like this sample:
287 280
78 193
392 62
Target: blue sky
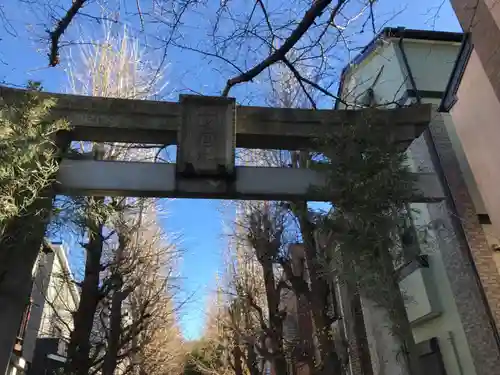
200 223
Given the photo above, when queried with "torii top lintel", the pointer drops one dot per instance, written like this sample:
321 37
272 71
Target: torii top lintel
157 122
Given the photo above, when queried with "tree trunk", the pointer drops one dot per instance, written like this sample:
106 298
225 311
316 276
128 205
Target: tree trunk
320 289
238 356
18 253
319 300
251 360
389 333
111 358
251 355
359 329
79 345
402 325
330 362
275 320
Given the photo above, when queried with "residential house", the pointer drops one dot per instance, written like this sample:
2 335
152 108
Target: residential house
45 329
452 284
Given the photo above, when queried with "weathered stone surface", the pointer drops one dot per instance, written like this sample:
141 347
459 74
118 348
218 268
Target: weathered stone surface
143 121
118 178
206 137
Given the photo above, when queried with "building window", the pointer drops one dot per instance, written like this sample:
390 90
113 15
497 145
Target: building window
430 357
62 347
61 342
484 219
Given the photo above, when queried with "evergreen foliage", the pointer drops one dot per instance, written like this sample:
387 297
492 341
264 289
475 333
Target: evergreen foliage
27 154
373 186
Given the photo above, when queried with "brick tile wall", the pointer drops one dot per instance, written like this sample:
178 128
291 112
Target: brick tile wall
457 258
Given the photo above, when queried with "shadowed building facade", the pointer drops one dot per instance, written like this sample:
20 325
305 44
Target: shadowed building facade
43 334
473 98
452 283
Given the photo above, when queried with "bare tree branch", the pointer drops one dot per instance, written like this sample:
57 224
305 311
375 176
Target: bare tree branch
307 21
60 29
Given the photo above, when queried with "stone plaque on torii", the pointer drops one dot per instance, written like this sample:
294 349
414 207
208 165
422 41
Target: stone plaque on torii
207 131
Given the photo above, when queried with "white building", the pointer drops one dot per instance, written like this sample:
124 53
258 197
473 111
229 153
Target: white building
44 333
453 285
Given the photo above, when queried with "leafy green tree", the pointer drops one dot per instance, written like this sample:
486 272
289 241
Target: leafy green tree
370 185
28 159
28 166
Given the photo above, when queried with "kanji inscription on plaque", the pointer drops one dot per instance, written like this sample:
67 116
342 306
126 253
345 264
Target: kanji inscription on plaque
207 137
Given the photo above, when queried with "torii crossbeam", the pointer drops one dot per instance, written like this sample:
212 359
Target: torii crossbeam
207 130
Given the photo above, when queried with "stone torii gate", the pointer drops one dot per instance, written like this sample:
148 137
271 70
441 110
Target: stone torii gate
207 131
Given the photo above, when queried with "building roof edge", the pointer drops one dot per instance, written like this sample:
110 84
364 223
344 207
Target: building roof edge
450 97
396 32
